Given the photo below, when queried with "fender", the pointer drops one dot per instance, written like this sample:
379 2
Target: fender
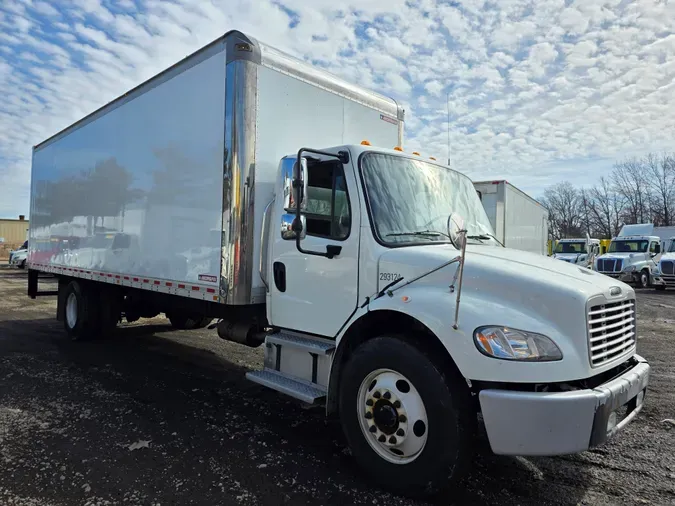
433 307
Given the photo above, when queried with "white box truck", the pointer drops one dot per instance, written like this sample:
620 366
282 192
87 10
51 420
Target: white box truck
518 221
235 186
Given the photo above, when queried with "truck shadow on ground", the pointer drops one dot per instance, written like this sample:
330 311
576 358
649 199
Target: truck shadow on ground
207 425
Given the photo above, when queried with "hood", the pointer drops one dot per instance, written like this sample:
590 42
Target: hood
668 256
569 256
487 262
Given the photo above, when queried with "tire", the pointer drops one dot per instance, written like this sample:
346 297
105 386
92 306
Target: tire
79 314
184 321
660 288
449 430
643 279
22 265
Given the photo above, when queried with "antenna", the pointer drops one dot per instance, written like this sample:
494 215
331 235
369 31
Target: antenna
447 103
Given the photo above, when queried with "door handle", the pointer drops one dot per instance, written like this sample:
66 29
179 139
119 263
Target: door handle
279 272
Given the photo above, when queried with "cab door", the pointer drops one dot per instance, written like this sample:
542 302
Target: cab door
315 290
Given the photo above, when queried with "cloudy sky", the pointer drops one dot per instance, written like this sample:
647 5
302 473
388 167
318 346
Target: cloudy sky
538 90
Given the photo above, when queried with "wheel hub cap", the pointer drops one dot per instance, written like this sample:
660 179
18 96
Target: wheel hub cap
392 416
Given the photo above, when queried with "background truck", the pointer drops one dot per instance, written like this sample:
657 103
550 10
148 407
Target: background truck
632 256
235 186
519 221
664 276
577 251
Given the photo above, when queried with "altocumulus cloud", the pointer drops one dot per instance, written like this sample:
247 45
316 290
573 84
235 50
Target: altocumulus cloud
537 90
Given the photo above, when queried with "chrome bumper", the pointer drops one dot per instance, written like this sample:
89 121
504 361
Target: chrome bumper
540 423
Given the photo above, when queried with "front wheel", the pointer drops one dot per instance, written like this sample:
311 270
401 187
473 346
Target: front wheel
643 279
409 423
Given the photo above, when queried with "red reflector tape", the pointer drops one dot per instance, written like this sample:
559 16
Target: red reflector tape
135 279
169 284
110 275
146 281
211 290
195 288
126 277
156 282
117 277
181 286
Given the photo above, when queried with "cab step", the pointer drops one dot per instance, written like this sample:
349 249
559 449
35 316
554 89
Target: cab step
302 342
309 393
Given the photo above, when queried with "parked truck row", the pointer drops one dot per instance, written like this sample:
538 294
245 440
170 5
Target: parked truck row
246 186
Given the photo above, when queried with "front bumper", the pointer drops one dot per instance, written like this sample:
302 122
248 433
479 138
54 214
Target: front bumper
541 423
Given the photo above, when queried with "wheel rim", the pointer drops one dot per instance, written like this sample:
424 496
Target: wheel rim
644 280
392 416
71 310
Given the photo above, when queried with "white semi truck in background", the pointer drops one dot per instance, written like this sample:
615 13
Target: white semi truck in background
370 275
632 256
664 277
518 220
577 251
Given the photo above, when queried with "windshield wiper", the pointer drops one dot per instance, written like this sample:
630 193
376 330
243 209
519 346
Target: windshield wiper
423 233
484 237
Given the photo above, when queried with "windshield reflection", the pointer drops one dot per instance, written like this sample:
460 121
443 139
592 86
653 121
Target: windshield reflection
410 200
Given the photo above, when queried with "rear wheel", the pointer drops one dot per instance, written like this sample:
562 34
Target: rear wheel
79 313
185 321
409 422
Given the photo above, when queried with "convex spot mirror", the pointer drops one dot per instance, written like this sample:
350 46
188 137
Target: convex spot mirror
456 230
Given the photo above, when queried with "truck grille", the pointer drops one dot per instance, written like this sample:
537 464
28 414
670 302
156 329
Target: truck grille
609 265
611 331
667 268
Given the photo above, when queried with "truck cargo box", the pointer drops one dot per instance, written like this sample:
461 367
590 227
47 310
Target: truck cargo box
519 221
165 187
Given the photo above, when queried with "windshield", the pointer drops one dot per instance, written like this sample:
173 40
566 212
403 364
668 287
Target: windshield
411 200
671 248
571 247
636 246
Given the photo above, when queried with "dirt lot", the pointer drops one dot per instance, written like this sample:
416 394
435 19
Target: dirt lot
155 416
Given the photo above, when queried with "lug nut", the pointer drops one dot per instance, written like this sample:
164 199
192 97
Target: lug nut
400 433
402 418
369 402
397 404
373 428
382 438
392 440
387 395
369 415
377 395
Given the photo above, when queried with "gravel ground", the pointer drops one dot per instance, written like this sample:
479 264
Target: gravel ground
155 416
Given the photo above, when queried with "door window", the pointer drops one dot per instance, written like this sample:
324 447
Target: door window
327 213
652 247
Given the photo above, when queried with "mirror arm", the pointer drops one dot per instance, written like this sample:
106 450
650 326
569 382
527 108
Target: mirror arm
331 249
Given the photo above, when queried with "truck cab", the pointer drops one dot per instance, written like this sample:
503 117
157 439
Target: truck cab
632 257
577 251
366 252
664 275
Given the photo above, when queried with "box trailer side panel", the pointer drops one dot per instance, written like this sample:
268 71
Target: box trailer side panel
293 113
492 198
138 188
524 222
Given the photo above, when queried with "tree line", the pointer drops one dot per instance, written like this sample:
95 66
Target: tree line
638 190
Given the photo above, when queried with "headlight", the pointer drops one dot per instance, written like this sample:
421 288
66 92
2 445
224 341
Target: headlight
511 344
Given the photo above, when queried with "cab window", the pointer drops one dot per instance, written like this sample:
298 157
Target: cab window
327 213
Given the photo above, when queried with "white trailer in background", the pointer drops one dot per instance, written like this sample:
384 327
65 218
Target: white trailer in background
518 220
236 185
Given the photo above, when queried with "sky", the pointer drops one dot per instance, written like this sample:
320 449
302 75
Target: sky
538 91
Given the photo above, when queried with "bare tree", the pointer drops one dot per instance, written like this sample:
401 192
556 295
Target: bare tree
564 210
631 183
660 176
605 209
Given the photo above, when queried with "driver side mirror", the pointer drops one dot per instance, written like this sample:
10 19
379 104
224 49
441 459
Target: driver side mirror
657 249
288 173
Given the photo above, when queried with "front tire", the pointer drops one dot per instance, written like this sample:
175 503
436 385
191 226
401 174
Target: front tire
22 265
643 279
408 421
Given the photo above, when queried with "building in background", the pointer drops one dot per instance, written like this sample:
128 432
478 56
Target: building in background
13 233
